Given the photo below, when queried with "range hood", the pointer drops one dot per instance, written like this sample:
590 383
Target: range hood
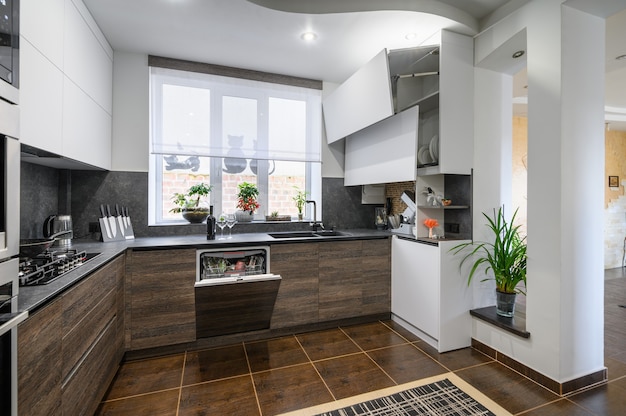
37 156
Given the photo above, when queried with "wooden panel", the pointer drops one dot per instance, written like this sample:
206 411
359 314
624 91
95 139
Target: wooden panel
297 301
236 307
78 341
39 362
162 298
83 391
340 280
376 276
86 295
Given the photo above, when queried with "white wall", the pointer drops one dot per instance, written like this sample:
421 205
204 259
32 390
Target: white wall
131 118
565 266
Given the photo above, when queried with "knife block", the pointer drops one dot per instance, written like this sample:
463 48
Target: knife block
106 231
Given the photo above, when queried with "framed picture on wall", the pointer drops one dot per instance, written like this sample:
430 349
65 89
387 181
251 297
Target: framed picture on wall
613 181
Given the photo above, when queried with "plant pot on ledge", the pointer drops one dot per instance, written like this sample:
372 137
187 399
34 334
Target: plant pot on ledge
195 215
244 216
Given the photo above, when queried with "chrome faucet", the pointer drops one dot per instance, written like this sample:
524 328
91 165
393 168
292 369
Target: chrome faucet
314 224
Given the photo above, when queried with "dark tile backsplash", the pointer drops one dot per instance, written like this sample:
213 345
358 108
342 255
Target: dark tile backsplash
45 191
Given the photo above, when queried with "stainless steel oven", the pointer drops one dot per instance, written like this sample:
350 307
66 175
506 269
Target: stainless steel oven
10 316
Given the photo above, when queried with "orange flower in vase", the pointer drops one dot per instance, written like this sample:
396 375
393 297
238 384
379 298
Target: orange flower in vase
431 223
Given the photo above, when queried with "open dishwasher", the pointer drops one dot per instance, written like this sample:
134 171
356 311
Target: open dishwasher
234 290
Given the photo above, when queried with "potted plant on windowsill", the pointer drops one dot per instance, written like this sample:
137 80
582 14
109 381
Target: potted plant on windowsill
505 257
246 201
300 200
191 204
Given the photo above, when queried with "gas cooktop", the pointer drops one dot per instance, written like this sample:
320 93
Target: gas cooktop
51 265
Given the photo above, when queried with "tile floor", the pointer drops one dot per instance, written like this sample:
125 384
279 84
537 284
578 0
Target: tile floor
279 375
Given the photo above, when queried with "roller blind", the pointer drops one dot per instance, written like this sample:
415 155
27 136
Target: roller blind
198 114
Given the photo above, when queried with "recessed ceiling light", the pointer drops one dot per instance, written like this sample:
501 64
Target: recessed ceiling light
410 36
620 58
518 54
308 36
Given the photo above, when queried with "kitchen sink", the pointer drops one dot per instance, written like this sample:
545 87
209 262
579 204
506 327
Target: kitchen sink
304 234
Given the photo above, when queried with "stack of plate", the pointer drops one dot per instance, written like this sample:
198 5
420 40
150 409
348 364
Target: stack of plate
429 154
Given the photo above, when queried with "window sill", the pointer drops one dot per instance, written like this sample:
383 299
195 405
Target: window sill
515 325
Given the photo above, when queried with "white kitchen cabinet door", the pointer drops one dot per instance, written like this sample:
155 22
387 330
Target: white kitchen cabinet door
86 128
41 23
415 296
41 97
362 100
384 152
88 58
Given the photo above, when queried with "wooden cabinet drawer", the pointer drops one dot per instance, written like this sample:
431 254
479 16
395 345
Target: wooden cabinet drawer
39 362
85 386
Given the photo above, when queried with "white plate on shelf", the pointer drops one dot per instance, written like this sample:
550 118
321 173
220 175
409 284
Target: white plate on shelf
433 148
423 156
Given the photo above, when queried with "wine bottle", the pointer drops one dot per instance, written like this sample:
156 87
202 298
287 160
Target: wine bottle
210 225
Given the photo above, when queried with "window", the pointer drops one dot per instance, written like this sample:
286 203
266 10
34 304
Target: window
223 131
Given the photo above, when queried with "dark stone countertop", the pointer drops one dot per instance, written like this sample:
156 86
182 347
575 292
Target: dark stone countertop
31 298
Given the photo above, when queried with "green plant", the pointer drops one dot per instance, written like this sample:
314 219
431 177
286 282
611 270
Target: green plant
505 257
191 199
274 214
246 197
300 199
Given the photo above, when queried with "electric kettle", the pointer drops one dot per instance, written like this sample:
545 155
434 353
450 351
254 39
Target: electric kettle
55 224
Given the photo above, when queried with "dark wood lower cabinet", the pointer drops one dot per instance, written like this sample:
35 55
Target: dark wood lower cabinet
69 350
297 300
162 303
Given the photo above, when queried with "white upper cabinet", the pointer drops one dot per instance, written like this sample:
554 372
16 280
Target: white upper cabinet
385 152
362 100
66 83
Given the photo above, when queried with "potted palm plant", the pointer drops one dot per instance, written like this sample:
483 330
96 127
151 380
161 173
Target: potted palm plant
300 200
246 201
505 257
191 205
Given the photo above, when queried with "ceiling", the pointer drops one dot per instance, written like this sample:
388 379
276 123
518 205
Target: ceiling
244 34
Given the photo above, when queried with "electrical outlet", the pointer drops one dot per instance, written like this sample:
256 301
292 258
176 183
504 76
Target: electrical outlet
94 227
452 227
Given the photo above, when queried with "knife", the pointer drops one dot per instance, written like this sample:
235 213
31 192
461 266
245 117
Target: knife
124 221
111 222
119 218
129 231
105 222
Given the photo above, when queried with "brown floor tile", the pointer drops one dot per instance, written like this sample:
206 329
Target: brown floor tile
509 389
214 364
291 388
456 360
405 333
404 363
562 407
275 353
234 396
326 344
146 376
163 403
374 335
608 399
616 368
351 375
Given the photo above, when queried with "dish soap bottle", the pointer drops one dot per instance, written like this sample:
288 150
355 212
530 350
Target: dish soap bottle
210 225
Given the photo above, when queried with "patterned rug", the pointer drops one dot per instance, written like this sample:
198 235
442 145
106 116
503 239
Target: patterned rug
437 396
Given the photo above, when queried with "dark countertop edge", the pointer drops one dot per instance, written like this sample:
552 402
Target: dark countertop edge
31 298
429 241
515 325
